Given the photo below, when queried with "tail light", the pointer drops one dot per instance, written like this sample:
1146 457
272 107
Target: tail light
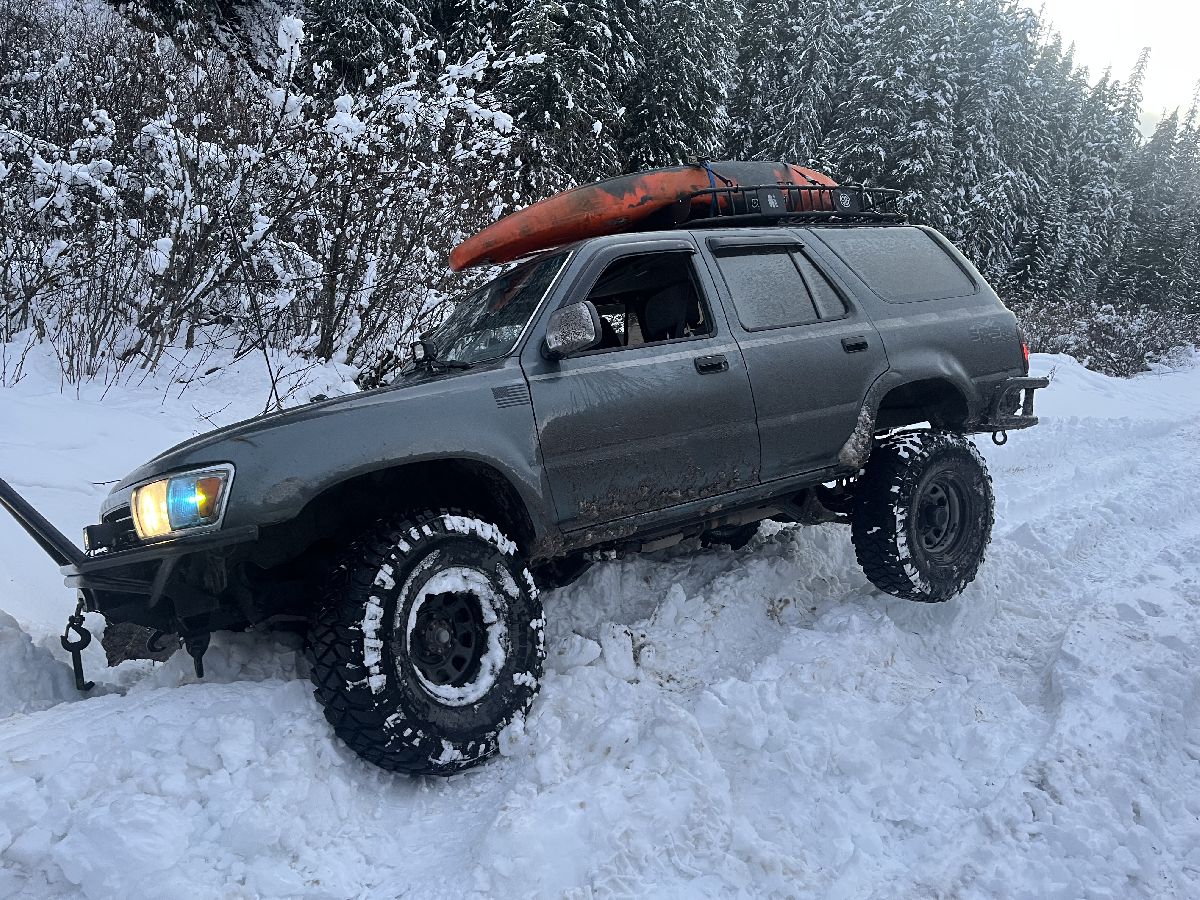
1024 348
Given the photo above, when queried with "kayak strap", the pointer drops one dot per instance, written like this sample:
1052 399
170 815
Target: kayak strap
712 184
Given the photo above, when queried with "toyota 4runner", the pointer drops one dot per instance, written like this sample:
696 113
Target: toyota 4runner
625 393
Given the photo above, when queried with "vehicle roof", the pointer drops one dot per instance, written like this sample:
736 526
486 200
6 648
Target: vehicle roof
626 237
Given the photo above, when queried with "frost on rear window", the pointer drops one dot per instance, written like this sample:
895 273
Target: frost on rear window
901 265
766 286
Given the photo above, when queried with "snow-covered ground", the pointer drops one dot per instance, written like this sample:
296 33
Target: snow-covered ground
775 727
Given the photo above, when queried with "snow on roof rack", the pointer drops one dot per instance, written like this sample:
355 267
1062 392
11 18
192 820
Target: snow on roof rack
789 203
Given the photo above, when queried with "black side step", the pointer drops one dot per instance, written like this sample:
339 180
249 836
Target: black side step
49 538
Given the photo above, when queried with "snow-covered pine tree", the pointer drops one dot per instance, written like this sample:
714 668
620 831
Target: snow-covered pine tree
1052 102
1145 272
1184 286
790 61
676 103
761 69
995 125
353 37
894 126
466 26
1098 154
559 87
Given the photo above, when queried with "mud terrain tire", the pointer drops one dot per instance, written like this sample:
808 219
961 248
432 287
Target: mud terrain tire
428 643
923 513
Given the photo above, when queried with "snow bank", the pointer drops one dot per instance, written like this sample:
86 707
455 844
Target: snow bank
712 723
1163 393
30 677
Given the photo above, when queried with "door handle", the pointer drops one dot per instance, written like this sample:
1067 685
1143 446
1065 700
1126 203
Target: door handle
706 365
855 344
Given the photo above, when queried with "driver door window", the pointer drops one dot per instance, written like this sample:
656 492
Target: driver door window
649 299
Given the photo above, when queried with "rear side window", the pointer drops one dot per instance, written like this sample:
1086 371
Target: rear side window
776 286
901 265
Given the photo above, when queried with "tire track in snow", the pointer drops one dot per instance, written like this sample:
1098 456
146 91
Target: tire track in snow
1140 513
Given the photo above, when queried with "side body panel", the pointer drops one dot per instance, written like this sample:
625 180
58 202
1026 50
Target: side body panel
971 341
809 380
633 430
284 461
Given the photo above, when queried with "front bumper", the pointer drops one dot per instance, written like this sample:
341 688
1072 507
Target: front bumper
116 570
143 572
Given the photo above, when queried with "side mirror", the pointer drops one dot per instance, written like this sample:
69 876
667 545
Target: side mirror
572 329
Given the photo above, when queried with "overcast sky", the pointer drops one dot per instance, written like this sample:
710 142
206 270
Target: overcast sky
1109 33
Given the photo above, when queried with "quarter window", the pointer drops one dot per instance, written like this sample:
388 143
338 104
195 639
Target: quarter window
901 265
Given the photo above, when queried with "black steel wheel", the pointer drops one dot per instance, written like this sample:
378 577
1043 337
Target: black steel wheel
940 515
428 644
923 513
448 638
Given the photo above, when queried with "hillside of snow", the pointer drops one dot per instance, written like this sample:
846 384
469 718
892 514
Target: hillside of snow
774 727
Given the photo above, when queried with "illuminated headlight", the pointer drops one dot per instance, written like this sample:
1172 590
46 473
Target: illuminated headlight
190 500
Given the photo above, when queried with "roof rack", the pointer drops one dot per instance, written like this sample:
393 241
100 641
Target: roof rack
775 204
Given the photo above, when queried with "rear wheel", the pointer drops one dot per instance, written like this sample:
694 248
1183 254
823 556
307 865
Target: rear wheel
428 644
923 512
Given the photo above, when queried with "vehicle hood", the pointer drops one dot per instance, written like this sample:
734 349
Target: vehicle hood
216 446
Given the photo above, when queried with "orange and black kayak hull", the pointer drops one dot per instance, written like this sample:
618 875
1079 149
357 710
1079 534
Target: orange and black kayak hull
630 202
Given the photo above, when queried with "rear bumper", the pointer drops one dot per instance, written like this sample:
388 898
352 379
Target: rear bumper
1011 406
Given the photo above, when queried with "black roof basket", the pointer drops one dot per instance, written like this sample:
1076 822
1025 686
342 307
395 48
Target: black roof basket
775 204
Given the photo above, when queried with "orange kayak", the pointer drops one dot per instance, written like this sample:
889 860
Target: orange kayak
657 198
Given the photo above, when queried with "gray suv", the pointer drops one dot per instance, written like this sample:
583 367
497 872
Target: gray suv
625 393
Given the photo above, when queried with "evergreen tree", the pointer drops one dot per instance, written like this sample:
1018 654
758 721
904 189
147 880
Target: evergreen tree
895 126
995 134
790 63
677 105
560 87
1146 274
353 37
757 94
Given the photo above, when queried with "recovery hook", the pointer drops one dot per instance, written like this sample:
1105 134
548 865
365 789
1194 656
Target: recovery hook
76 646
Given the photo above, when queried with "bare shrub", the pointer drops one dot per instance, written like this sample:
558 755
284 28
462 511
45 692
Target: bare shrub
1107 339
153 198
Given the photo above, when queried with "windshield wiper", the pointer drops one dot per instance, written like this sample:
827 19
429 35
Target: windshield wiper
437 364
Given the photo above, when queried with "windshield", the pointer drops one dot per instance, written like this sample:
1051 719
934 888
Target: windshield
487 322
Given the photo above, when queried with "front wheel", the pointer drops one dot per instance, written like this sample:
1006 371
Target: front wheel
428 643
923 512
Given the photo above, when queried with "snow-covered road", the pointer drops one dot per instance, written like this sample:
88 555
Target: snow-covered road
713 723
